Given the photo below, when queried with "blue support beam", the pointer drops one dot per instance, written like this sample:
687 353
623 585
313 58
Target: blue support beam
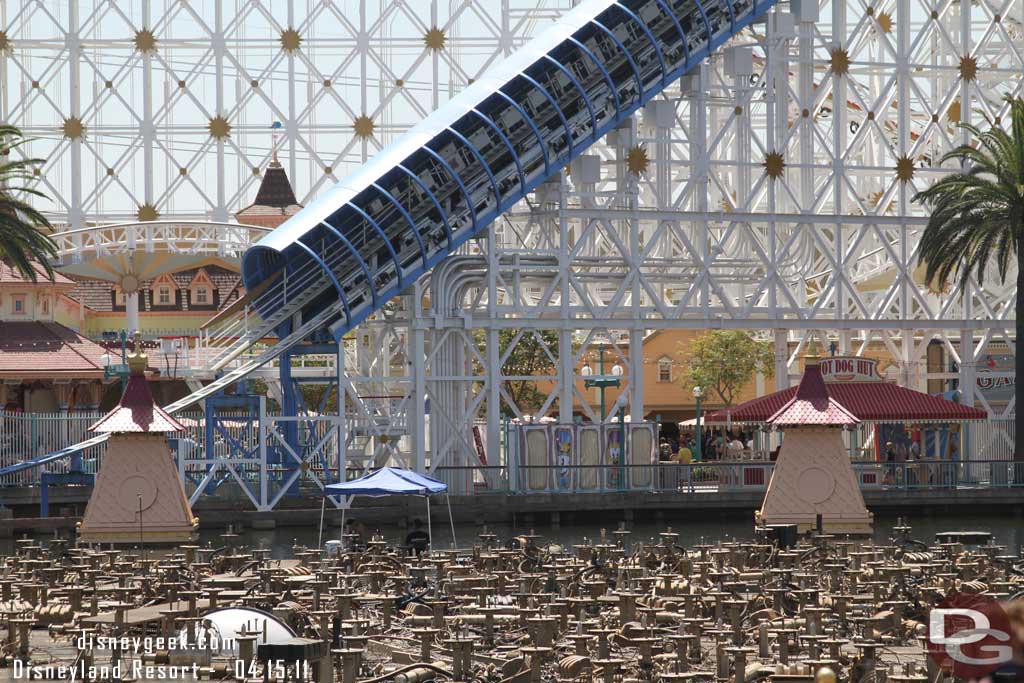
48 479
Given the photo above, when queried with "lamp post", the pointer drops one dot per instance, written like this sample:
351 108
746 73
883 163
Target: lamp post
601 380
697 393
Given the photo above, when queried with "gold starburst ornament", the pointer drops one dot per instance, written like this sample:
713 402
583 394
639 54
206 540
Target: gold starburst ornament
73 128
905 169
147 212
434 39
145 41
774 165
363 126
637 161
839 62
290 40
885 22
219 127
968 68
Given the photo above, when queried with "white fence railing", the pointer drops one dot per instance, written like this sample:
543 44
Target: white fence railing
24 436
992 440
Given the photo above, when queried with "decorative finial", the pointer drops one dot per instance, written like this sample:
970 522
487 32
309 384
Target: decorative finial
275 129
138 360
813 354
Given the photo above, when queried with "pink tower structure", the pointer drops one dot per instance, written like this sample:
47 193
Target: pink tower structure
138 494
813 475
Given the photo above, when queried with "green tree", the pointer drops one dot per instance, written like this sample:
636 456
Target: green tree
977 218
724 361
21 241
535 354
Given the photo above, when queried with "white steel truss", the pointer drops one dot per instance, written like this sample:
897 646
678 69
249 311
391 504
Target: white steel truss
769 190
147 108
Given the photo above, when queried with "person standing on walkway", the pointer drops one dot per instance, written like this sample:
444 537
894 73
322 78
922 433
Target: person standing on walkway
418 539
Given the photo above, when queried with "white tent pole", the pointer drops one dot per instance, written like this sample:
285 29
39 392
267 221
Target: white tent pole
450 519
320 538
430 532
341 534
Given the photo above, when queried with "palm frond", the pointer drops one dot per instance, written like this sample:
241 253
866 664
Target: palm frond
977 215
22 244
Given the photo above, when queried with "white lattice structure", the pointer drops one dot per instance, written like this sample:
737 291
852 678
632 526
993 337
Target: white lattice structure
744 197
164 108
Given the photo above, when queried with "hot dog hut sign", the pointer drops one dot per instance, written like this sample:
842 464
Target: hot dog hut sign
849 369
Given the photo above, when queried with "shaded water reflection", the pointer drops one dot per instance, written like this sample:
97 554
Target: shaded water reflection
1005 530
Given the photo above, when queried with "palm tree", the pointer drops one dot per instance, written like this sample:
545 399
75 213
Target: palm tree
21 241
977 218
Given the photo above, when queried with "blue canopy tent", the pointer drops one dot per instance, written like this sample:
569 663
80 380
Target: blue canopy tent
390 481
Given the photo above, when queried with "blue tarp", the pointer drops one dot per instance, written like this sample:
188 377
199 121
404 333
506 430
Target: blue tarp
388 481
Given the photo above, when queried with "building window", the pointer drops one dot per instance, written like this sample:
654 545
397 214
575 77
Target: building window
202 295
46 307
664 370
18 304
163 296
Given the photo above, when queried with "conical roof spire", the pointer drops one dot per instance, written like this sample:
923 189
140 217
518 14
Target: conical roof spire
137 412
812 404
275 200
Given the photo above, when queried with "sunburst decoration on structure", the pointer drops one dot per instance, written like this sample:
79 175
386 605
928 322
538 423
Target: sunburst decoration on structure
637 161
145 41
885 22
905 169
968 68
839 62
147 212
434 39
953 113
73 128
290 40
875 198
5 42
363 126
774 165
219 127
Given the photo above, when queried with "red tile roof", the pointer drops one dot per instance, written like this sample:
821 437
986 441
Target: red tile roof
867 401
137 412
10 276
30 348
812 405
